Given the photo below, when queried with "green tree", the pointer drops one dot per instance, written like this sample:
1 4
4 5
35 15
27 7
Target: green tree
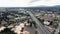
7 31
33 23
36 32
11 22
56 22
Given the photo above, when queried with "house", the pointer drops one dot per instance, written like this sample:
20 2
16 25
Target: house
3 22
46 22
10 16
2 28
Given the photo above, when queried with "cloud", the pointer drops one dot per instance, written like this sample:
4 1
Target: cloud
46 3
14 3
33 1
28 3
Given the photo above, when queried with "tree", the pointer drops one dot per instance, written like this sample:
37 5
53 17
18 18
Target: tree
36 32
11 22
7 31
30 24
56 22
41 20
33 23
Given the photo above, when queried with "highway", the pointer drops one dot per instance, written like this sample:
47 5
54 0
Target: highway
40 28
58 29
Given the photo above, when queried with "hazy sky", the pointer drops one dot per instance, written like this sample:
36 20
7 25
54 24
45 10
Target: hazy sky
28 3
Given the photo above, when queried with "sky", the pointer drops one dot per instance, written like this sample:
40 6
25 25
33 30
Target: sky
28 3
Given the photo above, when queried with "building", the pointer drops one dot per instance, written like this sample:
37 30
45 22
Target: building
46 22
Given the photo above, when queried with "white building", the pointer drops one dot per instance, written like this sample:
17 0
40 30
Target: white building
2 28
46 22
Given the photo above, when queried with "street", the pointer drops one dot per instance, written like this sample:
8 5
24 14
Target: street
40 29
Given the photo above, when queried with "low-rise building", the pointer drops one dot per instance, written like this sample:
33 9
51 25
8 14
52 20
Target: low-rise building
46 22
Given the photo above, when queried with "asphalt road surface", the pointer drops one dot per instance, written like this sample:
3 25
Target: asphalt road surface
58 29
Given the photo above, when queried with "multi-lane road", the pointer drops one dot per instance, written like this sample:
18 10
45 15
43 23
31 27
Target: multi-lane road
40 28
58 29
